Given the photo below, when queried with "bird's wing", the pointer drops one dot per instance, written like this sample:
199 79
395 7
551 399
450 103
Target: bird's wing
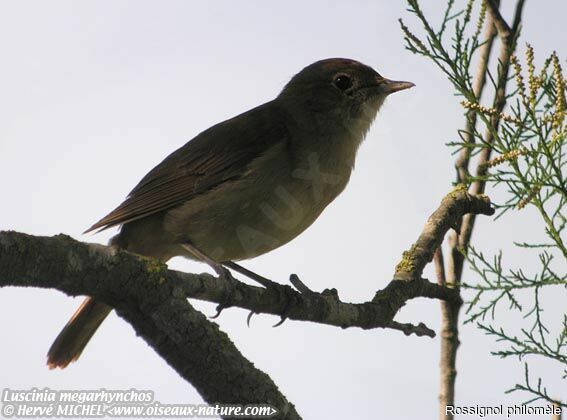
217 155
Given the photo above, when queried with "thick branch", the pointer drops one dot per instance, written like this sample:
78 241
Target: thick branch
136 286
455 204
153 299
126 281
146 295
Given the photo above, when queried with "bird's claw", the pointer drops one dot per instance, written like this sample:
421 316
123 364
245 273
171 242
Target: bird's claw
280 322
220 307
249 317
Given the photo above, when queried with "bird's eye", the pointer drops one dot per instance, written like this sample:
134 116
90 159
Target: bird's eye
342 82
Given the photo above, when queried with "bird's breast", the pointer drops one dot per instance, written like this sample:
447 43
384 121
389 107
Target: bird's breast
276 200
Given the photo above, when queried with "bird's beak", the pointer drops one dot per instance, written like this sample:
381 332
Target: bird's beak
391 86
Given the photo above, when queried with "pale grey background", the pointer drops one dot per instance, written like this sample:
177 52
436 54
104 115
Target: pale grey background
94 94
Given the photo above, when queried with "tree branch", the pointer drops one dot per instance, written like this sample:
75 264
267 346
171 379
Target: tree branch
153 300
504 30
136 286
508 45
145 294
449 329
449 333
456 203
462 162
459 242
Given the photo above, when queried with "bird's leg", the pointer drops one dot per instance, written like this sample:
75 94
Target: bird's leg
250 274
219 269
285 292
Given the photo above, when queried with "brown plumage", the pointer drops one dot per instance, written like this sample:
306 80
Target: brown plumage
205 162
247 185
71 341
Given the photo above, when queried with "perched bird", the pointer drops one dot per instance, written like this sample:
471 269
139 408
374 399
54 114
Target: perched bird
247 185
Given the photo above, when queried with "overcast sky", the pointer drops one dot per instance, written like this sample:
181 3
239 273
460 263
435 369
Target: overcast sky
94 94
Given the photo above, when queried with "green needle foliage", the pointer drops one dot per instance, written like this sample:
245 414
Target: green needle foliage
519 145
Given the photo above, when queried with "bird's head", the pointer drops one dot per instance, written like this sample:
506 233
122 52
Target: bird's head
341 86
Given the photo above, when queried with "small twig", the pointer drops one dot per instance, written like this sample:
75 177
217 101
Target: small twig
462 162
439 262
408 329
299 285
504 30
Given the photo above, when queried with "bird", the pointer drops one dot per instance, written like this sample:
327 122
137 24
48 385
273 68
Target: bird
247 185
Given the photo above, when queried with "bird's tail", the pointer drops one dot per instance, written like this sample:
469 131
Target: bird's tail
73 338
